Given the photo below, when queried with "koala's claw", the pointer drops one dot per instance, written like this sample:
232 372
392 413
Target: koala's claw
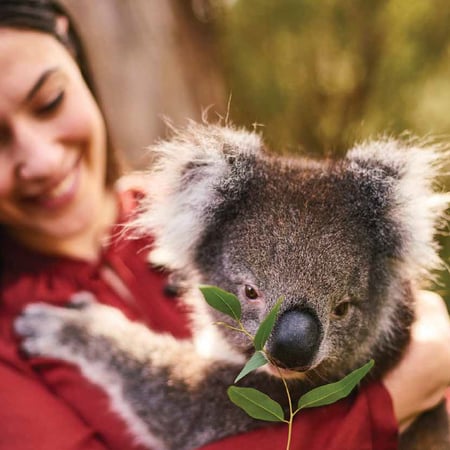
81 300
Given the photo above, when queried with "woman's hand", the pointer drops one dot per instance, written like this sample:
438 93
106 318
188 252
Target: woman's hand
419 381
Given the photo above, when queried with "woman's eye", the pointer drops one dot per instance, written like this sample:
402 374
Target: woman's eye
250 292
52 105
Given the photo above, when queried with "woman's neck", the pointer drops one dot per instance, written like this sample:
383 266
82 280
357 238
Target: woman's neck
88 245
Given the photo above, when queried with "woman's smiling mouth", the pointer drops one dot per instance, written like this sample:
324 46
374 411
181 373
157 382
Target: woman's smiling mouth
61 194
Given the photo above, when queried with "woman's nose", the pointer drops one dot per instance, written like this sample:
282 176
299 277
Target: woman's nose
38 155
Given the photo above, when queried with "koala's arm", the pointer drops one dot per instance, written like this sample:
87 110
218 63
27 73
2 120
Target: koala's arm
169 396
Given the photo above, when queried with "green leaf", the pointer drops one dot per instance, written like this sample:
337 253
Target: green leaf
256 404
266 326
330 393
257 360
222 300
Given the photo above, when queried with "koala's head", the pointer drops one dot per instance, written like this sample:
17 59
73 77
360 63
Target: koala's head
341 241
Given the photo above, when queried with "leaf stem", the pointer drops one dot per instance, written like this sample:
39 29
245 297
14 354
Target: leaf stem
239 329
224 324
291 411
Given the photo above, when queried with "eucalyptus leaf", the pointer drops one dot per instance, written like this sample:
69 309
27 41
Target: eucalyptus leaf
264 330
257 360
256 404
222 301
330 393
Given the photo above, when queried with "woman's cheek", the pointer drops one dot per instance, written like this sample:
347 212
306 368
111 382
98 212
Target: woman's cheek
78 122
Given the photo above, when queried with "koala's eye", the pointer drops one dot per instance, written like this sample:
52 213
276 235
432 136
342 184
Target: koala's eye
341 310
250 292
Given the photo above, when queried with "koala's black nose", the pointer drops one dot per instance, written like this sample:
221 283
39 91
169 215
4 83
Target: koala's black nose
295 339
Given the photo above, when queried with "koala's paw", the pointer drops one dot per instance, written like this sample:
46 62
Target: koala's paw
67 332
43 328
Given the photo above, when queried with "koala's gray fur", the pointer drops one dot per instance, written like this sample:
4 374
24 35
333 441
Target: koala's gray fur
345 242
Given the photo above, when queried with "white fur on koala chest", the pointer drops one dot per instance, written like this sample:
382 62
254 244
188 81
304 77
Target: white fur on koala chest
209 341
210 344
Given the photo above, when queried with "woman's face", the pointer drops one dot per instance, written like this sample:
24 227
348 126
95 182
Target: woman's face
52 140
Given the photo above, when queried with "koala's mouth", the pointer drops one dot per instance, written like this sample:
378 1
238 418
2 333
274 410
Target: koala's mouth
287 374
276 369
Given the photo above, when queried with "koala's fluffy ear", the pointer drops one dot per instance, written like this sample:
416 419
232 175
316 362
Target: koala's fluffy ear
181 190
407 173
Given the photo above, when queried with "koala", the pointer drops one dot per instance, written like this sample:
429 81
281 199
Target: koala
344 241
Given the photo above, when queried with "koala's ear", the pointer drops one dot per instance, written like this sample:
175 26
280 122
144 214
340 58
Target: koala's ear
182 186
402 178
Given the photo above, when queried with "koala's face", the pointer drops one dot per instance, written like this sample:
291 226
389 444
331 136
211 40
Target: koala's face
339 241
298 234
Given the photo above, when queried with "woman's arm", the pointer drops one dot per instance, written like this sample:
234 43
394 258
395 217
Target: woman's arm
420 380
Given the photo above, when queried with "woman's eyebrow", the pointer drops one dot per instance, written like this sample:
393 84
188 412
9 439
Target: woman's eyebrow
41 80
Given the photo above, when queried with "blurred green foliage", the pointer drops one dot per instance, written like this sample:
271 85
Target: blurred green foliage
319 75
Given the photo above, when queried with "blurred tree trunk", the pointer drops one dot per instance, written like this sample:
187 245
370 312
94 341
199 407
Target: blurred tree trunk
150 58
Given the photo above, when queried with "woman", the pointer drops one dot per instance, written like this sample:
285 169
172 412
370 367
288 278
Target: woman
60 212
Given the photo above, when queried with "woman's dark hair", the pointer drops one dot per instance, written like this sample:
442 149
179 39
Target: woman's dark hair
43 15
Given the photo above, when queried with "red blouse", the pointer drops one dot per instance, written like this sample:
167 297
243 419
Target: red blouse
46 404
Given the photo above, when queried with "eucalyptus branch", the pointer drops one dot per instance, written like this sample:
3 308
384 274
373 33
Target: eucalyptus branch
255 403
239 329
